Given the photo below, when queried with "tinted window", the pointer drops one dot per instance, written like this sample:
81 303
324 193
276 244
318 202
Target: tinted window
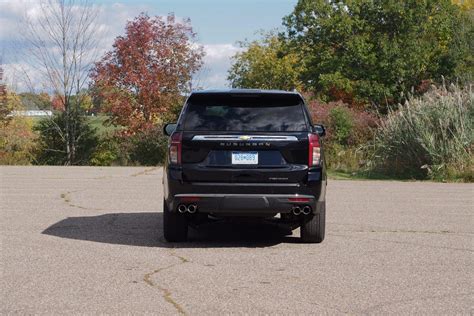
245 114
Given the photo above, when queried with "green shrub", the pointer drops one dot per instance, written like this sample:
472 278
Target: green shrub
348 130
107 152
430 136
145 148
149 147
52 145
340 124
339 119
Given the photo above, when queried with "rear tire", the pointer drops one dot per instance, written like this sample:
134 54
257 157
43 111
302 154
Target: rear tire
175 225
313 230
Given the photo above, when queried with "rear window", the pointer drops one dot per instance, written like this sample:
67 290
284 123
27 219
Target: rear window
254 114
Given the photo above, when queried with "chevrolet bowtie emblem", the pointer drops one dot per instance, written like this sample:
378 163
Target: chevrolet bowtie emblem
244 137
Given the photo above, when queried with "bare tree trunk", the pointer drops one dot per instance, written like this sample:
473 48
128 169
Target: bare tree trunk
63 41
4 111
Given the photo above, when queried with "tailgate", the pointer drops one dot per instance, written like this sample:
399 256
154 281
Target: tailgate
245 158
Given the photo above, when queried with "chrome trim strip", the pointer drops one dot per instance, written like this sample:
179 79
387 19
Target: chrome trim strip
282 138
246 184
215 195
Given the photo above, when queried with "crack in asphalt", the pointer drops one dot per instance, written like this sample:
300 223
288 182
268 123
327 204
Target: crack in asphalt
103 177
166 293
66 197
137 174
144 172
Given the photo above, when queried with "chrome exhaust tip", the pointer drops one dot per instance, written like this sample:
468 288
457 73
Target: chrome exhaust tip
192 208
306 210
182 208
296 210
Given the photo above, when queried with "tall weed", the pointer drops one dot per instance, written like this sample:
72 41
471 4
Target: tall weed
429 136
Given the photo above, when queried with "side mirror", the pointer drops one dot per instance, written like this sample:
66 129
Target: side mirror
169 129
320 129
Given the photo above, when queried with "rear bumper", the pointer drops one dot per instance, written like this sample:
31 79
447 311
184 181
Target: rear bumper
244 199
242 204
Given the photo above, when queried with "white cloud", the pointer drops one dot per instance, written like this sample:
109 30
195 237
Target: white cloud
113 19
21 76
216 63
11 13
221 51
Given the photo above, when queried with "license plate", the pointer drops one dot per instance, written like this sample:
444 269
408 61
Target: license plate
245 158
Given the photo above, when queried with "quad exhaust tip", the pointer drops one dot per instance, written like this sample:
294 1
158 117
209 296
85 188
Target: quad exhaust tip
296 210
191 208
305 210
182 208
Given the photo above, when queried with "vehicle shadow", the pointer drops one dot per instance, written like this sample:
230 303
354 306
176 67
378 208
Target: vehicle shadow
145 229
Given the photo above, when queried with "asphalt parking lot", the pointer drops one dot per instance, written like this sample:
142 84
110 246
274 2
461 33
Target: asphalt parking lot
89 240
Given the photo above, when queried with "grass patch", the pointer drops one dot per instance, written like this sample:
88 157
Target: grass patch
99 122
374 175
364 175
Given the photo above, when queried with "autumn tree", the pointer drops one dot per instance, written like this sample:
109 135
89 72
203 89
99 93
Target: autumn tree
148 70
35 101
83 101
9 101
62 43
265 64
17 140
57 103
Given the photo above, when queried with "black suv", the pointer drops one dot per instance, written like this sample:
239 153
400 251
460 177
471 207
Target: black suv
252 154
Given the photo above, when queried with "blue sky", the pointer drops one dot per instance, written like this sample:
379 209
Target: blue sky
225 21
218 24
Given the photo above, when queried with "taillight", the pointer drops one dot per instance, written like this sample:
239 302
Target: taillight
314 155
175 148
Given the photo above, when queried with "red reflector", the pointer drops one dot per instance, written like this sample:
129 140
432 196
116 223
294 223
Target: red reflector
190 199
298 199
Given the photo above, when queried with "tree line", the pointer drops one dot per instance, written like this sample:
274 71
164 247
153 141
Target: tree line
366 53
